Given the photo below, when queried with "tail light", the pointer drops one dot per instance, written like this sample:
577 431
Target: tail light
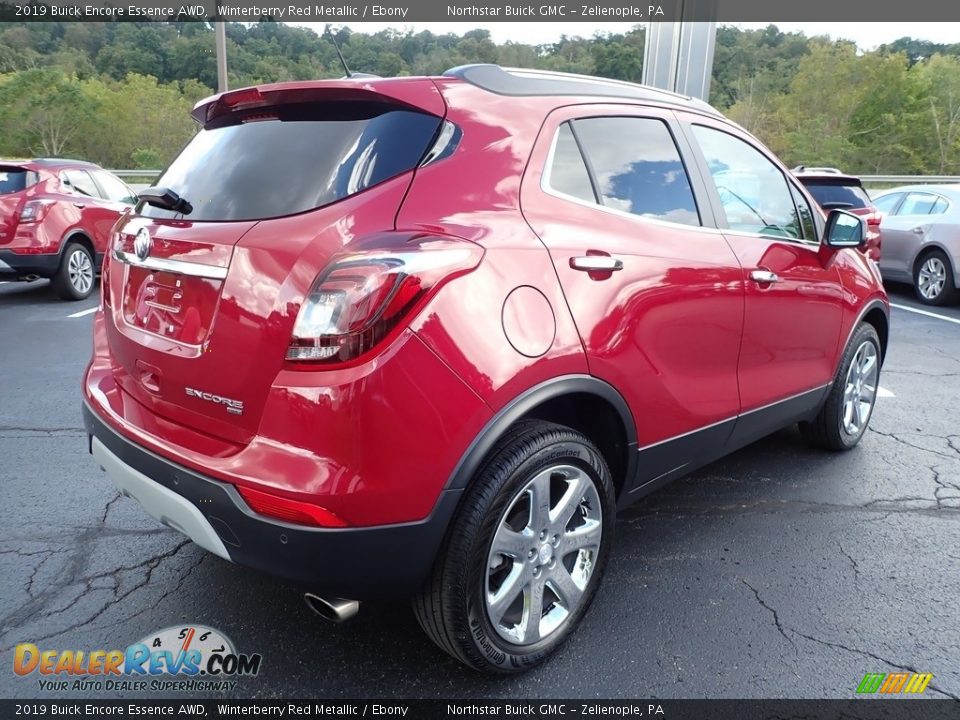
358 300
873 219
294 511
34 211
105 282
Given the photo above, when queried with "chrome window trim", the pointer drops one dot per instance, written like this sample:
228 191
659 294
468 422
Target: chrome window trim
546 188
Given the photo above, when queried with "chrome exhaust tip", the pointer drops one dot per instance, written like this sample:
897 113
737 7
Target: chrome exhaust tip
336 610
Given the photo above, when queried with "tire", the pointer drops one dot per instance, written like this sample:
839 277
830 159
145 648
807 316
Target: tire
76 275
933 279
854 390
471 583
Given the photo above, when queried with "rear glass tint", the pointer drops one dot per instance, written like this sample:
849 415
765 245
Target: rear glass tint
293 158
838 196
12 180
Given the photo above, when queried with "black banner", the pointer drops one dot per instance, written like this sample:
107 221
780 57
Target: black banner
350 12
885 709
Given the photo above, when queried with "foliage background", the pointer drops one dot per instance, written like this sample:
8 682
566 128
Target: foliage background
119 94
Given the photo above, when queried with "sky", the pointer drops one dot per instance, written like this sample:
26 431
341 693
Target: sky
867 35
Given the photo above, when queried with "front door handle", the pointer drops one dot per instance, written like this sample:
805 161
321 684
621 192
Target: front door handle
596 263
764 276
79 205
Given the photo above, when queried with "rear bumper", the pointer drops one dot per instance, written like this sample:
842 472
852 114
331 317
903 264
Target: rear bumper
386 562
14 265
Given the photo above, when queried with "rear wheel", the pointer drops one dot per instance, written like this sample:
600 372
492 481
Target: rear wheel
525 554
933 279
75 276
844 417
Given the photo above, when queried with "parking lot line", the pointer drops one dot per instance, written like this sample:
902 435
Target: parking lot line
883 392
925 312
82 313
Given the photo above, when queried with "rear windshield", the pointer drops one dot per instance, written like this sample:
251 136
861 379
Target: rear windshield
12 180
836 195
293 158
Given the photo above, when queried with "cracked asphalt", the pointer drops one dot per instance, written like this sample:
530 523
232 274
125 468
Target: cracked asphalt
780 571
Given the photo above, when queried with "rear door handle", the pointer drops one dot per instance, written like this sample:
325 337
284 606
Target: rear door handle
79 205
596 263
919 230
764 276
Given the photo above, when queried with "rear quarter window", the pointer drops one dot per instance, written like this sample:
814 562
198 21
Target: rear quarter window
14 180
294 158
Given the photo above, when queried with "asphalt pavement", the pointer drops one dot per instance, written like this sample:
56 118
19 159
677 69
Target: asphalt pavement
780 571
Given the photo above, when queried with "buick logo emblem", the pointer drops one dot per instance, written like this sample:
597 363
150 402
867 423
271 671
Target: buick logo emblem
142 244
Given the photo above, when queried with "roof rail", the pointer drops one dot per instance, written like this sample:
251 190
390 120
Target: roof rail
821 170
524 82
58 161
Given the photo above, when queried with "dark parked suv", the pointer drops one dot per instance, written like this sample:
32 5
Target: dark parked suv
834 190
420 338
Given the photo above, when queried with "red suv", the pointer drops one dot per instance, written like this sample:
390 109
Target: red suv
421 337
55 221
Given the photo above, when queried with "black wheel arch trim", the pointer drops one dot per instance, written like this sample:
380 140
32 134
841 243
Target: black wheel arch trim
874 304
527 401
75 235
79 235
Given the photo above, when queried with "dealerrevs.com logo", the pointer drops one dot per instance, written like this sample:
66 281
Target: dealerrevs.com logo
190 658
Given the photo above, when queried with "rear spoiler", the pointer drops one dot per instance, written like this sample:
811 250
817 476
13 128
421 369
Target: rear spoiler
415 93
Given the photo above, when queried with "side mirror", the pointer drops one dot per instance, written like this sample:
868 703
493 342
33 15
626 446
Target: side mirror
843 230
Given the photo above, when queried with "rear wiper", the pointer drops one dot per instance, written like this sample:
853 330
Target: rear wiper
166 199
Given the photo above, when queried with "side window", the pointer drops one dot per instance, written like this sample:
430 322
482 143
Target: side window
567 172
940 206
637 167
114 189
807 224
753 191
78 182
887 203
918 204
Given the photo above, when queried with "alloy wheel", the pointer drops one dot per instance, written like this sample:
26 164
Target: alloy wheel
932 278
80 270
860 389
542 554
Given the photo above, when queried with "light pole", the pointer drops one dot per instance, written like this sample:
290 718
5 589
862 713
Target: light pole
221 42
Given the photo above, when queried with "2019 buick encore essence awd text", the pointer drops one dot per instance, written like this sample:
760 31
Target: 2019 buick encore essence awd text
419 338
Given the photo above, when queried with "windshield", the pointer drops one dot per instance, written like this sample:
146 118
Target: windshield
293 158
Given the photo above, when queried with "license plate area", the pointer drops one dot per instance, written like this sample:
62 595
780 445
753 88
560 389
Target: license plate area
174 306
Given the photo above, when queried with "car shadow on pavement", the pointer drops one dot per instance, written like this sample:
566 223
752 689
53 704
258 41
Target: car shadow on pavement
383 653
38 292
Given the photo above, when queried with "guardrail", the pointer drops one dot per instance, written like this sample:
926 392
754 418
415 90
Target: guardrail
909 179
136 173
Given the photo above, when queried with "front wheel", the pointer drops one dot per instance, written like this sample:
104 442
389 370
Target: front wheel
525 553
844 417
